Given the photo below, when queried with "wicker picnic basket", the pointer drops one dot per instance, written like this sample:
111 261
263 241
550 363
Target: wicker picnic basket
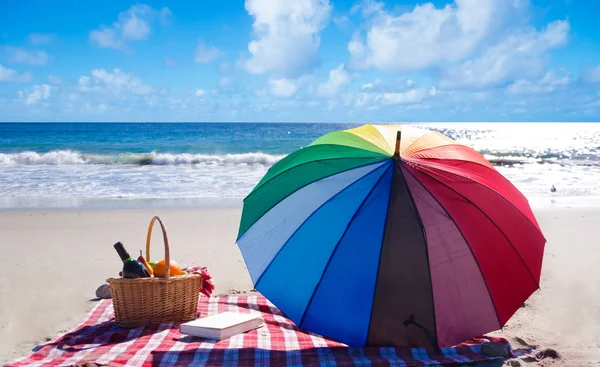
146 301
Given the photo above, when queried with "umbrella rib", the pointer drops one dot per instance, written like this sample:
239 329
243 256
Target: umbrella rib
491 221
379 149
428 150
424 135
309 183
375 154
382 137
309 162
467 242
412 200
314 292
489 188
310 216
387 214
487 216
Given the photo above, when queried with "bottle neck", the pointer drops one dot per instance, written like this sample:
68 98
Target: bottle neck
127 260
123 254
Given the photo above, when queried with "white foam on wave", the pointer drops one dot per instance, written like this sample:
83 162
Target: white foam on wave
130 182
238 159
216 177
56 157
509 160
69 157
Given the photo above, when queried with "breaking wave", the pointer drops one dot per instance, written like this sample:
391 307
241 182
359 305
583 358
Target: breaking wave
520 158
69 157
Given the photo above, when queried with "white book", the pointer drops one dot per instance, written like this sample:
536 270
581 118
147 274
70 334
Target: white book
222 325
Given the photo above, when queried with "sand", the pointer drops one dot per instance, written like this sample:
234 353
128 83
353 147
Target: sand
54 260
565 313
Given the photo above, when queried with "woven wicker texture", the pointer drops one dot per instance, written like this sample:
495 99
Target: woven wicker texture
147 301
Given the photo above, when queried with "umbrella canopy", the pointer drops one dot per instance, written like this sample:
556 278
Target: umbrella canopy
391 235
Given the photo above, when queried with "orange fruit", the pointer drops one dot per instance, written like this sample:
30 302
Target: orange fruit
159 269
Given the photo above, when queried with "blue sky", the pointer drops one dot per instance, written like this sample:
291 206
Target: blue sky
302 60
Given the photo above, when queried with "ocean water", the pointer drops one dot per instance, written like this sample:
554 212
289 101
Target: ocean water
77 163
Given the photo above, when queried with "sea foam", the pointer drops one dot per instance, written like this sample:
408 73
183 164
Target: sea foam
69 157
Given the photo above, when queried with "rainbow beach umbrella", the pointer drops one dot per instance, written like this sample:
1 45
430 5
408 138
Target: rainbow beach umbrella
391 235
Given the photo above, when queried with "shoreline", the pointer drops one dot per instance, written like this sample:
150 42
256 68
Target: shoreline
56 258
19 204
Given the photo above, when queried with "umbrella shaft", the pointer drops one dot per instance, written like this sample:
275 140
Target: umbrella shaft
397 150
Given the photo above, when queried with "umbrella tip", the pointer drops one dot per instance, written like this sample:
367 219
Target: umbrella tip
397 150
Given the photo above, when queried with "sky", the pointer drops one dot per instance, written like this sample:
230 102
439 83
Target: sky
300 61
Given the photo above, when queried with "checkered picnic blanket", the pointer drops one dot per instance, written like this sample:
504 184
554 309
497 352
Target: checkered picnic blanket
278 343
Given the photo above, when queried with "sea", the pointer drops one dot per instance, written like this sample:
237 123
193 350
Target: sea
65 165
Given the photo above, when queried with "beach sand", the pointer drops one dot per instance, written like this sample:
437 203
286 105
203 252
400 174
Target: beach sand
565 313
53 261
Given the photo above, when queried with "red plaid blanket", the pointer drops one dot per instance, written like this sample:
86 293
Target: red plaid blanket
278 343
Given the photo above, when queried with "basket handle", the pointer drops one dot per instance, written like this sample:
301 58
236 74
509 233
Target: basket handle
166 243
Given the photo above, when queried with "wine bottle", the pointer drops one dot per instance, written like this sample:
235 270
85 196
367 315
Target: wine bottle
131 268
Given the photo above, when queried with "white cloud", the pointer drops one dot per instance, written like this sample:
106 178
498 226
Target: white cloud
41 38
117 81
225 81
135 29
205 54
283 88
370 85
151 100
134 24
411 96
382 103
519 56
107 38
362 99
382 95
342 22
10 75
549 83
95 108
391 85
22 56
368 7
287 35
84 82
428 36
593 76
38 93
338 79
